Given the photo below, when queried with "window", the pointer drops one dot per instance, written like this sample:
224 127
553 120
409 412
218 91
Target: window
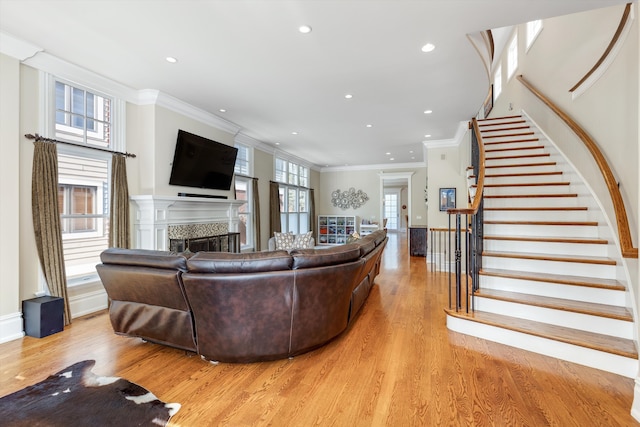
85 118
497 82
294 195
512 57
294 209
533 29
244 188
243 161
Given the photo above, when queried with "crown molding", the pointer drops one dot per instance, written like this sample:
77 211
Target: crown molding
17 48
241 138
377 167
453 142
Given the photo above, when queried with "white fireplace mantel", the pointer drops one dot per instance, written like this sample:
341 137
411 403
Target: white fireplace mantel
154 214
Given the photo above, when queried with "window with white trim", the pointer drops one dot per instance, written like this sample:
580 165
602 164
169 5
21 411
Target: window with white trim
244 189
512 57
497 82
294 195
85 118
533 29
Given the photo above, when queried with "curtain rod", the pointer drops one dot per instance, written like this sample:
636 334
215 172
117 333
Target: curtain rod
42 138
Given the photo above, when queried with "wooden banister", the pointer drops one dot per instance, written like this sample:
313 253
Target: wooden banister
624 234
473 209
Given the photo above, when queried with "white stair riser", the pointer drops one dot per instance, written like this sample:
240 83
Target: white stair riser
584 322
523 179
555 248
555 290
512 151
524 215
619 365
517 169
520 160
588 231
530 202
493 150
528 189
551 267
507 135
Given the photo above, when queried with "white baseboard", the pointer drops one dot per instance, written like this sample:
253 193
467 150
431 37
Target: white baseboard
87 303
11 327
635 406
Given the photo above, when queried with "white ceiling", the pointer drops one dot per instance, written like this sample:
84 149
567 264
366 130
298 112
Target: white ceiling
249 58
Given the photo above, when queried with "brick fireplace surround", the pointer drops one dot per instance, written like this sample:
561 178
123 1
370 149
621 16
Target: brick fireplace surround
160 218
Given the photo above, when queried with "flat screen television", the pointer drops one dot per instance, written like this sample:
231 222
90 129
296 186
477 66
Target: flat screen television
202 163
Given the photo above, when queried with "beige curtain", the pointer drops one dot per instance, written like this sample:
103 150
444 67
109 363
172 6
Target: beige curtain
46 221
312 213
274 208
256 215
119 232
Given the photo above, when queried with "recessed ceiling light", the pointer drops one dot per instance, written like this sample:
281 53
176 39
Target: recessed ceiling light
304 29
428 111
222 110
277 143
413 158
348 96
294 133
391 158
171 59
369 126
410 151
427 136
428 47
388 154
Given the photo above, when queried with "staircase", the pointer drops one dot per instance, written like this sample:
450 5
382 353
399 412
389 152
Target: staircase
551 280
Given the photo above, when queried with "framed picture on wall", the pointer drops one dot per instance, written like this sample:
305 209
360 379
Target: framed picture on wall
447 198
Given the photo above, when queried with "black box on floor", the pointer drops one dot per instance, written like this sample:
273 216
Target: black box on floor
43 316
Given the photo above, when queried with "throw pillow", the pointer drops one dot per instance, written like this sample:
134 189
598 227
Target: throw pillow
284 241
303 241
353 237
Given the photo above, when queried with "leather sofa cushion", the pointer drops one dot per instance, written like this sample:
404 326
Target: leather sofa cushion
144 258
309 258
225 262
366 246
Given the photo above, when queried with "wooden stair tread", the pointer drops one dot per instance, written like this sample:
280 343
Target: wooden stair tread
515 196
528 184
521 165
599 342
580 240
539 208
559 223
510 175
562 279
493 119
547 257
593 309
508 135
511 141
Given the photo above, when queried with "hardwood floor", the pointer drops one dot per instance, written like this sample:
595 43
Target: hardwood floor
398 365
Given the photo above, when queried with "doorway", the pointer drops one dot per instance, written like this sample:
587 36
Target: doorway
391 211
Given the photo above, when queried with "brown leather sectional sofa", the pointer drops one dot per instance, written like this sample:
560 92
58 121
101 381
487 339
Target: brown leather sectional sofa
247 307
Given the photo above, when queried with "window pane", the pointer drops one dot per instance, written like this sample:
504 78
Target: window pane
282 201
77 101
293 223
292 204
303 201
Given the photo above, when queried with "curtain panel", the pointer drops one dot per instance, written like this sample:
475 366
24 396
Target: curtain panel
256 215
274 208
46 221
119 230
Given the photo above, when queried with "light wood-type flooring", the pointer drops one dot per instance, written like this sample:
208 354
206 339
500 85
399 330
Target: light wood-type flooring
398 365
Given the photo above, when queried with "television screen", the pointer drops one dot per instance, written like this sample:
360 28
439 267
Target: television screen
202 163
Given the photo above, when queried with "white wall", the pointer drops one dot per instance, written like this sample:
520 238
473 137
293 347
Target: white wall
10 140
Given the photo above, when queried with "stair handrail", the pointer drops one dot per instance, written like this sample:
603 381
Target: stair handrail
475 204
624 233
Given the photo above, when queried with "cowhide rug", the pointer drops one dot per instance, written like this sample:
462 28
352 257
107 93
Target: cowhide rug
76 396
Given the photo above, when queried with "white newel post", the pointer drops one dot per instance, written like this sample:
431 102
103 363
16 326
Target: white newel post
154 214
